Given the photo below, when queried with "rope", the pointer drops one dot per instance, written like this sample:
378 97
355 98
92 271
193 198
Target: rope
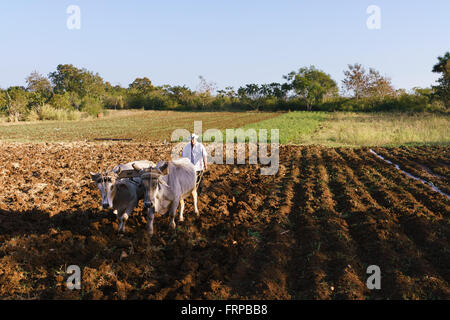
198 178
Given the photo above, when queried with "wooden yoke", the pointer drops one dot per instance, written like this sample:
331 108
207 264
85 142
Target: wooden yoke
122 174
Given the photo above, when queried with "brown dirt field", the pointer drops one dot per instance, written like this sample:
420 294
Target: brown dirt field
309 232
432 168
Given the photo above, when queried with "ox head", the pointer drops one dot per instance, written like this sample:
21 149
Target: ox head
106 184
153 182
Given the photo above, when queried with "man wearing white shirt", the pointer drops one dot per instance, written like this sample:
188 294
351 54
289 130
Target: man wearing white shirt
196 152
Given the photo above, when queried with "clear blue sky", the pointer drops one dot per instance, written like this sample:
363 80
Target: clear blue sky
229 42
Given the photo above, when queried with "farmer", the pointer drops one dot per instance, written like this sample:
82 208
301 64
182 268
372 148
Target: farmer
196 152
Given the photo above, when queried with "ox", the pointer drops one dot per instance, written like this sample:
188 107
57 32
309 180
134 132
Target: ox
164 192
121 195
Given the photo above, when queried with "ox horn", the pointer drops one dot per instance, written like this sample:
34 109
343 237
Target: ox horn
94 176
161 165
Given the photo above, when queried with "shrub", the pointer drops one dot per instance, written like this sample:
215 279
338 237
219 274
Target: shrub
92 106
60 101
74 100
73 115
404 102
47 112
159 102
114 102
269 104
3 101
32 115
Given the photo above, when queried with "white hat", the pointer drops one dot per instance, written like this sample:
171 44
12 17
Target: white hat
193 136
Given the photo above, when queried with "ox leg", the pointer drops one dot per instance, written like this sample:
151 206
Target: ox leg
120 218
150 217
128 211
181 210
123 220
173 213
194 195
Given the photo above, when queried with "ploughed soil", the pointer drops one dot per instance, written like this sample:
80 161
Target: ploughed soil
309 232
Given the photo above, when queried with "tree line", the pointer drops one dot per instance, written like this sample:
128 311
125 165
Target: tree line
70 91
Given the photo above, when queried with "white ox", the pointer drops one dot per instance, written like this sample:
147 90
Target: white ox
164 192
121 195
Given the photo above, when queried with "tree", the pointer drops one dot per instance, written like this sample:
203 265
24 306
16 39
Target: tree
115 101
141 85
226 97
356 80
205 91
252 93
311 84
38 83
272 90
230 93
16 103
424 92
60 101
278 90
68 78
3 100
40 88
443 88
181 94
366 84
378 85
206 87
65 78
91 105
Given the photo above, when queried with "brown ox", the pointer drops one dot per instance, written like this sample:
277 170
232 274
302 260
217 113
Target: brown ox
121 195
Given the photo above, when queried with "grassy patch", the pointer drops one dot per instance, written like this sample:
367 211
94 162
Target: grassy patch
383 129
294 127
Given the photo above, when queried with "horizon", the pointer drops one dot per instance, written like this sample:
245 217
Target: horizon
228 43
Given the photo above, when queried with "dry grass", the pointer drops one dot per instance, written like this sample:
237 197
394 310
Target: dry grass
382 129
